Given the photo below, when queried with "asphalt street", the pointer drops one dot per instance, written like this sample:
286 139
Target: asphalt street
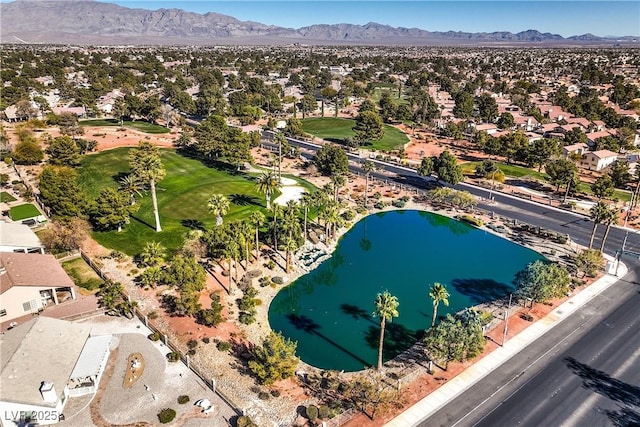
584 372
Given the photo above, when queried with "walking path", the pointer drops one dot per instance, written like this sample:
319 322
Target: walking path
448 391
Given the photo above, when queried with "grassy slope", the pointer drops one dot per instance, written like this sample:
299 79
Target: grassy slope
335 129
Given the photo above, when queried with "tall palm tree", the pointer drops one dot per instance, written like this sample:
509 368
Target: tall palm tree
267 184
289 246
338 181
218 205
610 217
437 293
280 139
368 167
306 201
146 165
274 225
386 308
132 185
257 218
598 214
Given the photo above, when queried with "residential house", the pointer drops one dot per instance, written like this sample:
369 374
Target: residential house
81 112
489 128
31 282
44 362
16 237
598 160
593 136
575 149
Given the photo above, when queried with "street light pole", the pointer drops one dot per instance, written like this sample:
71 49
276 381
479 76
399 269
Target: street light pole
506 321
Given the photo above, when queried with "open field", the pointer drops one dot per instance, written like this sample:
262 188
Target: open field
141 126
182 198
25 211
336 130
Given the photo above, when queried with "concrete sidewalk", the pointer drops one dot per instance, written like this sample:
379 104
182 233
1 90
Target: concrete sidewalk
454 387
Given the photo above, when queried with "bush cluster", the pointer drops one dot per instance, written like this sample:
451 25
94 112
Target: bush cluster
166 415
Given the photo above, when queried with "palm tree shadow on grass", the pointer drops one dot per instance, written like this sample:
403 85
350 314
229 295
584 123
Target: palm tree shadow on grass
308 325
397 338
153 227
604 384
120 176
193 224
244 200
481 290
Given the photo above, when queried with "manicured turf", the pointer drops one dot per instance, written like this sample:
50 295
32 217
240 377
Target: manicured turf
182 198
6 197
334 129
393 89
25 211
81 274
141 126
519 172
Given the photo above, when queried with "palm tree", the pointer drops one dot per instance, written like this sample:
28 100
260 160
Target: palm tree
437 293
280 139
132 185
267 183
274 226
306 201
598 214
367 167
290 245
152 254
338 181
146 165
610 217
257 218
386 308
218 205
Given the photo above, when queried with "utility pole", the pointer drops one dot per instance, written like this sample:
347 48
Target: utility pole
506 321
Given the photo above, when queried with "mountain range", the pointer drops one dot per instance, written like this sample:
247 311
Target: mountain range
92 22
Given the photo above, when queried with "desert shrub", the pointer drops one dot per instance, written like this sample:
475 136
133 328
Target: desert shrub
206 340
263 395
324 412
247 318
192 343
527 317
312 412
471 220
191 352
152 315
348 215
174 356
275 393
271 264
155 336
405 198
166 415
361 210
380 205
377 195
223 346
265 281
245 421
183 399
399 203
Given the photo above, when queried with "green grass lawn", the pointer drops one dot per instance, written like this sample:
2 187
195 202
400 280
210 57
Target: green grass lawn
519 172
182 198
81 274
393 89
139 125
334 129
6 197
25 211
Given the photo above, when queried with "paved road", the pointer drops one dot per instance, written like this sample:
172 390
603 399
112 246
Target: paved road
584 372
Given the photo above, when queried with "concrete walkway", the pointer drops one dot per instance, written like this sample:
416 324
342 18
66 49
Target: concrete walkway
454 387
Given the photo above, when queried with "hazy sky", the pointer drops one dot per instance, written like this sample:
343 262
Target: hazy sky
566 18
